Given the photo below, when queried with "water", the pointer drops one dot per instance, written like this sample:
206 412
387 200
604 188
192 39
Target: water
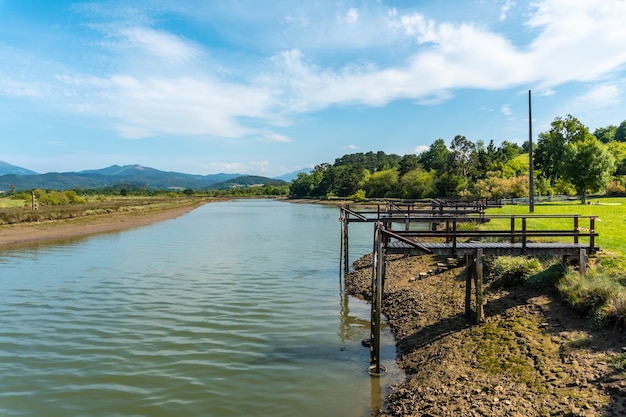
234 309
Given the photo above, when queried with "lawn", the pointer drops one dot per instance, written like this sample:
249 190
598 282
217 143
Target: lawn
610 222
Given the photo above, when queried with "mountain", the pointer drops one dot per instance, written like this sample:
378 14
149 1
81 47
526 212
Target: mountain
129 176
290 176
6 168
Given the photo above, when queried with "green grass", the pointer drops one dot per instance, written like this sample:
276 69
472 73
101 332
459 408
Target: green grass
601 291
8 202
610 212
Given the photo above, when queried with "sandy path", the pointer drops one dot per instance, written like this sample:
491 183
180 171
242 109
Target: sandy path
23 234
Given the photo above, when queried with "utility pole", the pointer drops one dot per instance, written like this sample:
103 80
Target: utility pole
531 174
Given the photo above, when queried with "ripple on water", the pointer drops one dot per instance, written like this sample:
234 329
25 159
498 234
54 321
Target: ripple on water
173 319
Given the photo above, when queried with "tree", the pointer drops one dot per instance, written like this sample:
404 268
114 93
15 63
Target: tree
618 150
605 134
343 180
408 163
436 157
382 183
588 165
417 184
620 132
549 155
463 157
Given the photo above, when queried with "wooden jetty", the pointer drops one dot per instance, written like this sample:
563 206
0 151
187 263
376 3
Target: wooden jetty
443 237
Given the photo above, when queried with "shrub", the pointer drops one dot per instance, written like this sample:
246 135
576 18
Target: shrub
512 270
599 294
547 278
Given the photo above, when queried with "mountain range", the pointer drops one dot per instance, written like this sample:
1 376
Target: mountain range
14 177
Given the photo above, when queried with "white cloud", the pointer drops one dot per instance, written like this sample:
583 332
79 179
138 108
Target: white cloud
421 148
505 9
276 137
156 106
575 41
506 110
352 16
603 95
162 45
578 40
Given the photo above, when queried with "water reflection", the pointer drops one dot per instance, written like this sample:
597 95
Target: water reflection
188 317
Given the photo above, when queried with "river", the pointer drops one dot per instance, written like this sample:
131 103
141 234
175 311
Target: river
234 309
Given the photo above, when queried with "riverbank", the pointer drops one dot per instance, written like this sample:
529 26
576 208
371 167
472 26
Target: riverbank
21 234
533 356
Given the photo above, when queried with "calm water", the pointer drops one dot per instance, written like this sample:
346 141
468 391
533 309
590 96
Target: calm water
234 309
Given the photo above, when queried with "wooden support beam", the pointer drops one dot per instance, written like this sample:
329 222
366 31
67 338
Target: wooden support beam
378 270
346 256
480 313
474 272
469 275
582 261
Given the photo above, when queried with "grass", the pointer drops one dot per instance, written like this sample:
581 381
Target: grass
610 223
8 202
16 212
601 291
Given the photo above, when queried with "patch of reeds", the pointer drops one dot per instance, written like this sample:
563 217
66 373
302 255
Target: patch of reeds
600 293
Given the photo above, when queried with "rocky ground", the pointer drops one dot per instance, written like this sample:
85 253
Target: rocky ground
533 356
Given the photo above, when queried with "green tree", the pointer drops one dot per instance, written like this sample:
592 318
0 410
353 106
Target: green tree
417 183
382 183
549 155
343 180
588 165
605 134
618 150
408 163
463 157
620 132
436 157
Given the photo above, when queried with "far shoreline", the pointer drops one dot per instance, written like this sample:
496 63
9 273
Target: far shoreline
24 234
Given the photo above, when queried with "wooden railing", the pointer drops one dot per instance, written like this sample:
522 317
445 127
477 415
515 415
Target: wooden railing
518 231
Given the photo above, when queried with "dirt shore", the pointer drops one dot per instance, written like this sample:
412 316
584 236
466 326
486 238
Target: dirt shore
533 356
55 230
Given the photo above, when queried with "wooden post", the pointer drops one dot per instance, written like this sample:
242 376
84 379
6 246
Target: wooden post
469 275
33 199
523 235
480 313
592 238
341 226
346 256
582 261
378 261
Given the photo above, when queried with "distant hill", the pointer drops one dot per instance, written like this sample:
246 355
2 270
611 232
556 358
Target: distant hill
131 176
246 181
293 175
6 168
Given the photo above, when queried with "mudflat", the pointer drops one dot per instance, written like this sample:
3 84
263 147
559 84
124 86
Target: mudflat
533 355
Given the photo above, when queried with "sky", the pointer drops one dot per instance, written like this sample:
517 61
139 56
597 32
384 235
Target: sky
267 88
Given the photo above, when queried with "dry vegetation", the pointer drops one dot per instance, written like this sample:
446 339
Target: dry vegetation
92 207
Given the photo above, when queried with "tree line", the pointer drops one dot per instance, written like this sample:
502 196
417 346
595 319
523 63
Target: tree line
568 159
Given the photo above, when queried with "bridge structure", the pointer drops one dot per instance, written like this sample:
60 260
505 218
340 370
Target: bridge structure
398 230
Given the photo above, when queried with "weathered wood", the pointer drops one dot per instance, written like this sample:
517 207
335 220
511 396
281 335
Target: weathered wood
378 262
480 313
469 275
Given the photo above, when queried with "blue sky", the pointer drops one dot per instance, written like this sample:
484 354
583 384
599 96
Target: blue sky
266 88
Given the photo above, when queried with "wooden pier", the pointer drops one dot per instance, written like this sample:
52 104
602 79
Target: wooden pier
443 237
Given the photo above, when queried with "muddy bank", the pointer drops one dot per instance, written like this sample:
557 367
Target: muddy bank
533 356
12 236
